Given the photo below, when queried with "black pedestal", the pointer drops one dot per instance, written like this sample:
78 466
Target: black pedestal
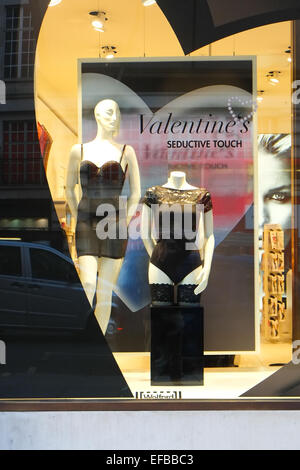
177 345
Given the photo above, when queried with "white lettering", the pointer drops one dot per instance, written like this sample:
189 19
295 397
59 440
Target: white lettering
296 352
107 227
2 92
296 94
2 353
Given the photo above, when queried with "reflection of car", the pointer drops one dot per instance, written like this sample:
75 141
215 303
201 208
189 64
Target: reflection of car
40 288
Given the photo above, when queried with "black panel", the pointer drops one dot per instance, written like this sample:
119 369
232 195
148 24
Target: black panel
193 22
236 10
177 345
283 383
148 79
41 364
38 8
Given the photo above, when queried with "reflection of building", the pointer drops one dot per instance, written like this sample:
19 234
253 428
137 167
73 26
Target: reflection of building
26 209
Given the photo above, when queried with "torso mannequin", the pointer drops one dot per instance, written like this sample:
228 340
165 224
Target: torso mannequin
170 262
101 167
177 180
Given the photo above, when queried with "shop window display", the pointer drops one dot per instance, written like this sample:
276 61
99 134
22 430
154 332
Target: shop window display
173 186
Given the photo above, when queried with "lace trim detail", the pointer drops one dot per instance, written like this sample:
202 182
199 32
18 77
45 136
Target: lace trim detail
161 195
162 293
149 198
165 293
185 294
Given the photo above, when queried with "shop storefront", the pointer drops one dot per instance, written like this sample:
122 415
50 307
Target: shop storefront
149 225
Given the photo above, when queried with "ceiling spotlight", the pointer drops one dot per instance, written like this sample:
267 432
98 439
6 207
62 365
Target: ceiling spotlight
98 20
273 77
109 51
260 95
53 3
147 3
289 51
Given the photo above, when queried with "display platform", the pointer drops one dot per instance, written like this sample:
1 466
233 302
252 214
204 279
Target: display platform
219 382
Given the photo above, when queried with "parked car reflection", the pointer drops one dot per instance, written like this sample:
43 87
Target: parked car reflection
63 353
40 288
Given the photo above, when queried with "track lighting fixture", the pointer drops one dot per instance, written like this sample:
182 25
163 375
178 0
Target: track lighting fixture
53 3
98 20
260 95
273 77
289 51
147 3
109 51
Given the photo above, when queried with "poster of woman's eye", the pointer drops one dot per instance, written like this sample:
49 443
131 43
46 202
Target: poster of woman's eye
275 183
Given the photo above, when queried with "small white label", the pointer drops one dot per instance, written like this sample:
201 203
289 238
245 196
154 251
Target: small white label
158 395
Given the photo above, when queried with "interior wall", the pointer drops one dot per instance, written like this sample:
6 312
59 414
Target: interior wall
64 137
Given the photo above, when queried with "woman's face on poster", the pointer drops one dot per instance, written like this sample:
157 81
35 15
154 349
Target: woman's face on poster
275 205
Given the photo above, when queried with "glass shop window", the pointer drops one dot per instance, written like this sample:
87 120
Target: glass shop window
10 261
49 266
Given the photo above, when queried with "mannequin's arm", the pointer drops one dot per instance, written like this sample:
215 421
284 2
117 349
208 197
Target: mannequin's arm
134 182
146 231
209 247
72 180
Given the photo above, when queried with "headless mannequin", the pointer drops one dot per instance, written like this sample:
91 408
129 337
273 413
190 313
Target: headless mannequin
200 275
100 274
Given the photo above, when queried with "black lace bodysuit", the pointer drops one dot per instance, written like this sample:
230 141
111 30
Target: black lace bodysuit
176 252
100 186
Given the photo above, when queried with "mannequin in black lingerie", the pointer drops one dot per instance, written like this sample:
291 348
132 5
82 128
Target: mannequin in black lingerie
100 185
177 274
99 168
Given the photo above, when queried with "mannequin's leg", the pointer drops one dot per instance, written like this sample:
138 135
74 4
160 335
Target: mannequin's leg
108 273
162 289
185 290
88 267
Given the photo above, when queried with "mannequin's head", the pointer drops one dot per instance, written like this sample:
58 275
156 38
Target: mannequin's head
107 115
